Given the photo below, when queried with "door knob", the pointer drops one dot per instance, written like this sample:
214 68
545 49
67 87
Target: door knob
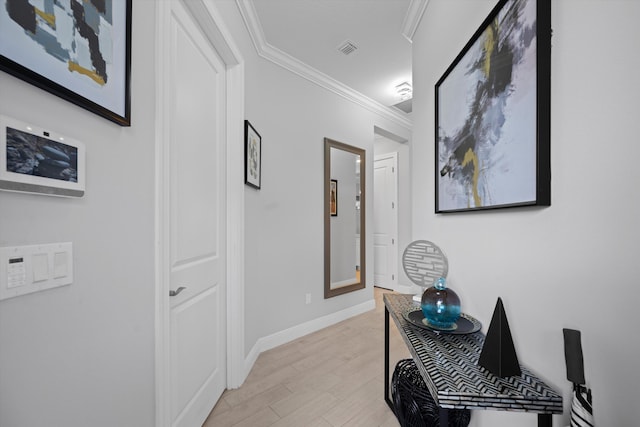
173 293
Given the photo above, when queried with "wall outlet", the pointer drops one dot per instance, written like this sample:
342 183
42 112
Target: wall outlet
308 299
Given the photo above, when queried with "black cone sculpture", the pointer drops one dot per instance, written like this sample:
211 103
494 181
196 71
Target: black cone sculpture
498 354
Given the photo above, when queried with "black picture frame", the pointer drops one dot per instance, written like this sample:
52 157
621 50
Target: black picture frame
86 73
493 120
252 156
333 197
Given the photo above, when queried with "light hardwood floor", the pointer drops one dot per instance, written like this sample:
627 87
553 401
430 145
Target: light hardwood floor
333 377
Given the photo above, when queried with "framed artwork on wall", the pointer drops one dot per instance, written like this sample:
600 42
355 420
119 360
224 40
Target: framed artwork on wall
492 118
79 51
252 156
333 198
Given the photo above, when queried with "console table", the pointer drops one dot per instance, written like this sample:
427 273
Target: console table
448 364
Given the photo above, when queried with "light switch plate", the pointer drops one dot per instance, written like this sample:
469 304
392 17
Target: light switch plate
28 269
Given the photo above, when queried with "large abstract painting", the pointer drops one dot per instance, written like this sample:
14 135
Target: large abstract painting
78 50
492 114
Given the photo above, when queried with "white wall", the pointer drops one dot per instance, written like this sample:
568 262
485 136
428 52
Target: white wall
573 264
284 220
83 354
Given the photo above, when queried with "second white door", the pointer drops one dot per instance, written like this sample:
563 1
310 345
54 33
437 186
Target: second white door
385 221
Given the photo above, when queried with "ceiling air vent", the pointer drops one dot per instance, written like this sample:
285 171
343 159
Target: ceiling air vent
347 47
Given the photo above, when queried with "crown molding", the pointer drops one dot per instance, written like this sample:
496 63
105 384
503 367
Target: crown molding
413 17
294 65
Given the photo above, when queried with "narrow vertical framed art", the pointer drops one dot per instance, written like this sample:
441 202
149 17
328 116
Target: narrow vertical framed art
252 156
79 51
333 198
492 136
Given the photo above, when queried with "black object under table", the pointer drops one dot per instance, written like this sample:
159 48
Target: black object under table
449 366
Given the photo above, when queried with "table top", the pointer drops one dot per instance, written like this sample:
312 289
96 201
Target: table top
449 365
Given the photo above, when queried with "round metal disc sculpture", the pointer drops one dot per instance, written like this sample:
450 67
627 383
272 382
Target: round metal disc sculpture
424 263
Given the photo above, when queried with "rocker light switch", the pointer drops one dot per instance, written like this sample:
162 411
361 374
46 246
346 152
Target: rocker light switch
40 267
59 265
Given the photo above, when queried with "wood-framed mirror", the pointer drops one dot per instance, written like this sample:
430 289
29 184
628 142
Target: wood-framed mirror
344 218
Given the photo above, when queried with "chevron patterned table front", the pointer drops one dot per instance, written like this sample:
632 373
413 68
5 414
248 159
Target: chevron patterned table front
449 365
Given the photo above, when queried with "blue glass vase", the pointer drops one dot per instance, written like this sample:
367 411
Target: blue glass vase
440 306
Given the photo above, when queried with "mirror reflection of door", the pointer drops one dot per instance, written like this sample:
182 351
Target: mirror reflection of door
344 218
344 230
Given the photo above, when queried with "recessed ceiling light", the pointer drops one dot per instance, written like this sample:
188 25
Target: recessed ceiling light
404 90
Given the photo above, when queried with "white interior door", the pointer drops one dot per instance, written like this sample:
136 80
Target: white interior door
195 217
385 221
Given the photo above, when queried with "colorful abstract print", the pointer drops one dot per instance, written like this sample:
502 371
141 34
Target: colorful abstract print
77 33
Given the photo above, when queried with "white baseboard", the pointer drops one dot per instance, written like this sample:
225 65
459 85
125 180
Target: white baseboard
288 335
345 282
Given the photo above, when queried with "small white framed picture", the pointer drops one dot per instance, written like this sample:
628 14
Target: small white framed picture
252 156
